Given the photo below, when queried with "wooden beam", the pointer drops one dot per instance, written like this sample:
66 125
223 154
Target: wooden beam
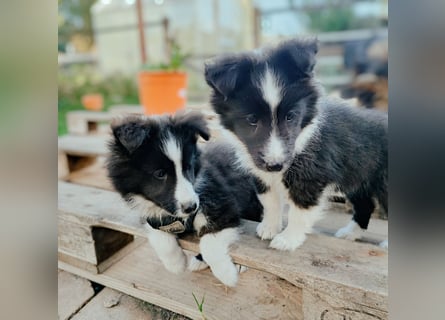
142 45
258 295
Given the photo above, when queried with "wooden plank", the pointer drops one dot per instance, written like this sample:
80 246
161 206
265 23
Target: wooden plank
62 165
82 122
335 217
92 247
73 292
258 295
345 270
350 35
93 176
125 109
91 146
112 304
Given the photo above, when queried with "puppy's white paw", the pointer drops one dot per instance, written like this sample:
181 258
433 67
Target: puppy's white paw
351 231
384 244
267 231
226 272
179 265
196 264
287 241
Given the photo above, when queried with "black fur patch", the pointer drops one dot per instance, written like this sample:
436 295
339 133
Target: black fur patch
349 148
226 193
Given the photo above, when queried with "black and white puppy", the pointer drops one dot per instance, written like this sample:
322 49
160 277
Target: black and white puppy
297 142
157 167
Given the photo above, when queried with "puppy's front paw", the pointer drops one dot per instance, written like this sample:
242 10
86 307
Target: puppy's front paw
267 231
287 241
226 272
196 264
351 231
177 265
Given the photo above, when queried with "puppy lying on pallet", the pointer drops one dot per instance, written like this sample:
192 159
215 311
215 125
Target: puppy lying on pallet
157 167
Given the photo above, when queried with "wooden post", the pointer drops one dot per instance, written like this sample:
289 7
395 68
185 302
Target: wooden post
256 27
141 31
167 43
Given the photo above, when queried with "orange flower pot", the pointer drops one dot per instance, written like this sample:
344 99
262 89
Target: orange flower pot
162 92
93 102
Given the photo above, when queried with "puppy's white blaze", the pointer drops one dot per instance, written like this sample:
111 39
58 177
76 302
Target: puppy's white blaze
214 248
271 88
167 249
305 135
274 151
184 191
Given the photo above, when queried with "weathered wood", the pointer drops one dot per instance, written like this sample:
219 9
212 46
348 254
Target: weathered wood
335 216
81 122
91 146
125 109
334 219
73 292
78 152
258 295
92 247
346 271
94 176
112 304
63 169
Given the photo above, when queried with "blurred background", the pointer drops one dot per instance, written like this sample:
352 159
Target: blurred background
103 45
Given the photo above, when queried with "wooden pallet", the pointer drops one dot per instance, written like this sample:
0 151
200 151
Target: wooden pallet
83 122
331 278
78 152
326 278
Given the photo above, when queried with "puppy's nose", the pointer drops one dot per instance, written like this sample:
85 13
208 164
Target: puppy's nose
274 167
189 207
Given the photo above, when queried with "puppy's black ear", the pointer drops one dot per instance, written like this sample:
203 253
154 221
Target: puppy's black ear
130 133
223 74
194 122
297 53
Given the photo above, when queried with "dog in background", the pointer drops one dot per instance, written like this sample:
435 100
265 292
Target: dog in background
157 167
368 59
298 143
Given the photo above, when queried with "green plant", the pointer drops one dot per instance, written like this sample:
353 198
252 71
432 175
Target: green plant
175 61
77 80
200 305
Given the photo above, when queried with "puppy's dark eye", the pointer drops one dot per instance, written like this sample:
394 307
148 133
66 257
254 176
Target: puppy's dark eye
252 120
290 116
160 174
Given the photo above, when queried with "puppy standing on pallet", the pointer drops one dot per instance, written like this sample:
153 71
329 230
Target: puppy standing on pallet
296 141
157 167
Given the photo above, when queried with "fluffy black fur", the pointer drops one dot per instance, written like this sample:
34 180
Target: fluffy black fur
237 97
348 149
226 192
351 151
136 158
